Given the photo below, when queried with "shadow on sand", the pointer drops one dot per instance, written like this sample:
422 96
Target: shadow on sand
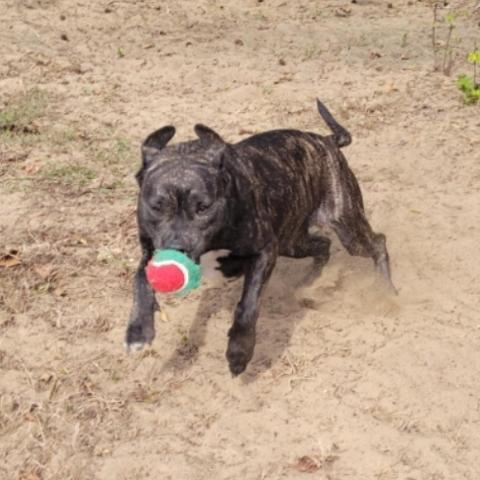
280 313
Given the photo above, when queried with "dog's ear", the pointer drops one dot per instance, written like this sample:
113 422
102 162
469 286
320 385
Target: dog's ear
152 144
207 135
157 140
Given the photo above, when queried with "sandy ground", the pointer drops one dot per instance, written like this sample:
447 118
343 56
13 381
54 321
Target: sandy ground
347 382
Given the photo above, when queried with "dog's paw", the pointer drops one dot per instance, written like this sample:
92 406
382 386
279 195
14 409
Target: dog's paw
133 347
231 266
240 351
237 363
137 336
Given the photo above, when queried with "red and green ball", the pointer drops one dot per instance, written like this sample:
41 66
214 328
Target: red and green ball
171 271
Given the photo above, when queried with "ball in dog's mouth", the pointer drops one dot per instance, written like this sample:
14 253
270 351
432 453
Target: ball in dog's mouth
171 271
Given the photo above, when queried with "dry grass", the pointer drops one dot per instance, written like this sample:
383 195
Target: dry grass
345 383
63 409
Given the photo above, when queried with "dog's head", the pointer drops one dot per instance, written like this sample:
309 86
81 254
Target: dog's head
182 190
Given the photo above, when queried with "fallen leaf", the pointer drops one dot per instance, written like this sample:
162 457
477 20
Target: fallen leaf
10 259
30 476
44 271
343 12
32 168
31 128
13 157
28 417
60 292
46 377
245 131
284 78
307 464
391 88
164 316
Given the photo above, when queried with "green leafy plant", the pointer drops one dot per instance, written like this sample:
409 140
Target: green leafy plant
474 58
471 92
467 84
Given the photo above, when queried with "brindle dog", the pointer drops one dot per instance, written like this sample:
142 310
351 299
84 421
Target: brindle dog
256 198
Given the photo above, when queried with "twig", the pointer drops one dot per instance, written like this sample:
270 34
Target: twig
475 84
434 36
27 372
448 52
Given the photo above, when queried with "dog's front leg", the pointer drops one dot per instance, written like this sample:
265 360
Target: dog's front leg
140 329
242 334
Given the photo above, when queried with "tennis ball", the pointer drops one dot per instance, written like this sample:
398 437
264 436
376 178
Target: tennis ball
171 271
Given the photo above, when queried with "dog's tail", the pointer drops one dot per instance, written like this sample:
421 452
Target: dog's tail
341 135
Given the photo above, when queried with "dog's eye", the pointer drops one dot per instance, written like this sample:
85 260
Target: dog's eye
158 205
202 207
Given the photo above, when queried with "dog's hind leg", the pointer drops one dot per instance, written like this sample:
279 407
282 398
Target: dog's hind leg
346 216
358 238
342 210
307 245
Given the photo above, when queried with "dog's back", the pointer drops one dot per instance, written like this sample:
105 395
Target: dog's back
293 171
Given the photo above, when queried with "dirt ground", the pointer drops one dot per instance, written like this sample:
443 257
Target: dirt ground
347 381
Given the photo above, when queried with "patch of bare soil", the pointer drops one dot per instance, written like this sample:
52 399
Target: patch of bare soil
347 382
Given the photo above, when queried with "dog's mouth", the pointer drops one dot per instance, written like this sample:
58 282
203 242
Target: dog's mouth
195 258
192 255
